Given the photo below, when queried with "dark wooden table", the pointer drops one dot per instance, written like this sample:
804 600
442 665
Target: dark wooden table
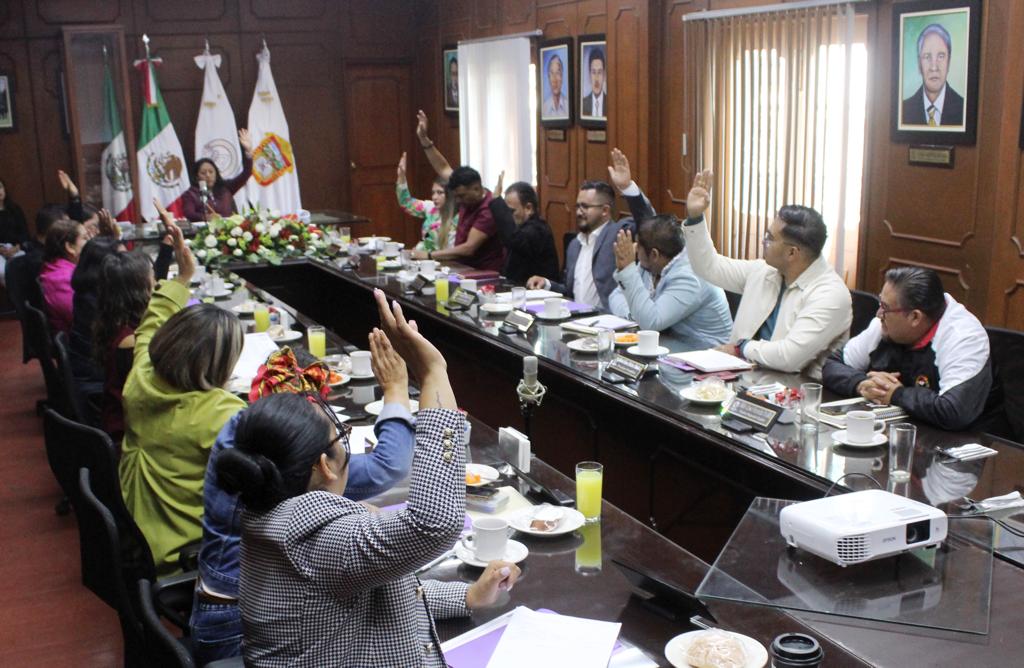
668 463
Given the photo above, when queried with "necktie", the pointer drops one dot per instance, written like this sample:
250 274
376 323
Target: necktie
931 115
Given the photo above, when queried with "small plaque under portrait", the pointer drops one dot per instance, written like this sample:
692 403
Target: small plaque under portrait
930 155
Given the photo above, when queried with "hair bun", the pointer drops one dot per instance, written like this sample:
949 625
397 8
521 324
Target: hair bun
254 477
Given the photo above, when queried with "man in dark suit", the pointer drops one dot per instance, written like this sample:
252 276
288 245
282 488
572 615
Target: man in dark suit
595 104
935 103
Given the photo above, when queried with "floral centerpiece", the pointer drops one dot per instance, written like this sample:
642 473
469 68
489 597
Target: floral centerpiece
258 235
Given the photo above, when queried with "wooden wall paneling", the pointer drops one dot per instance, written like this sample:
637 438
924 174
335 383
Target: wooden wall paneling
456 19
54 151
485 18
517 15
45 18
12 19
675 114
629 88
307 71
274 16
186 17
426 82
593 158
20 170
372 29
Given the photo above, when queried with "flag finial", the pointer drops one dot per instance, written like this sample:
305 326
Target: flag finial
145 41
206 44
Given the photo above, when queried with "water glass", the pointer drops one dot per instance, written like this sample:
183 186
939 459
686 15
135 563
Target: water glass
902 438
518 297
810 401
589 478
605 349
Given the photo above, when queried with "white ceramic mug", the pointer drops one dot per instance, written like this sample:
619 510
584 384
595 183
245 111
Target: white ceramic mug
861 426
391 248
363 394
552 307
647 341
361 363
489 538
428 267
468 284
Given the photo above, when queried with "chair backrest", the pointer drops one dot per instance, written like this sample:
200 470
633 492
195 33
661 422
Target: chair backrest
101 547
73 399
21 287
42 343
1007 354
734 302
865 307
567 238
163 650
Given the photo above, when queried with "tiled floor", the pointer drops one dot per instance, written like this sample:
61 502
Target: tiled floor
47 618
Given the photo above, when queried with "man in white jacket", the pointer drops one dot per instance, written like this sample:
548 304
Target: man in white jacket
795 309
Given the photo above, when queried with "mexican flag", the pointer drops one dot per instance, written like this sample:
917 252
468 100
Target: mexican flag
216 134
116 173
274 183
162 170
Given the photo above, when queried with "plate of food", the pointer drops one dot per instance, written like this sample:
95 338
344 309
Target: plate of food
480 474
336 379
627 339
708 392
375 407
281 335
587 344
715 647
248 307
547 520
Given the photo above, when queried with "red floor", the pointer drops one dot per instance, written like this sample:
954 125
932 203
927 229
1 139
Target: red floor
47 618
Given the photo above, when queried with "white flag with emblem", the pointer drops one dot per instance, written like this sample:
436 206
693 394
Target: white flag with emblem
162 172
216 134
275 182
116 173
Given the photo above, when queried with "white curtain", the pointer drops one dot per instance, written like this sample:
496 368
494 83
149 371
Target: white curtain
497 126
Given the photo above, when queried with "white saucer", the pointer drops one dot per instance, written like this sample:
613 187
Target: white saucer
514 552
219 294
488 474
876 440
391 265
288 335
496 308
587 344
571 520
562 315
690 394
675 649
362 376
635 350
375 407
245 308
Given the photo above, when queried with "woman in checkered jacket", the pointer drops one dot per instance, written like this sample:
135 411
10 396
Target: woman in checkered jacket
325 582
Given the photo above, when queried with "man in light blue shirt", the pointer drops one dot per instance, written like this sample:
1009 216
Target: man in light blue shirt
662 292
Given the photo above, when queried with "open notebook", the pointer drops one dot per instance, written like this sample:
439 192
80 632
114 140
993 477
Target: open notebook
834 412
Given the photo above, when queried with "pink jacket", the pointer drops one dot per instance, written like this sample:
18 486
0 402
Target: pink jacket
55 280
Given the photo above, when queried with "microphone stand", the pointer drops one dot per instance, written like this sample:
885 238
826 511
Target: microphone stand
530 396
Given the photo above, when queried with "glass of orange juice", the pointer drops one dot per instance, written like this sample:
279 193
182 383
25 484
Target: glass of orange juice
589 476
261 314
316 339
588 554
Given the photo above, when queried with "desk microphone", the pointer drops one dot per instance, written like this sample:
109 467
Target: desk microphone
204 196
530 391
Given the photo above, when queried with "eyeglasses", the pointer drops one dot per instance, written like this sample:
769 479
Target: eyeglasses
581 205
884 309
343 430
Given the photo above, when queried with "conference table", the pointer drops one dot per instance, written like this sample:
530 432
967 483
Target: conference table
676 481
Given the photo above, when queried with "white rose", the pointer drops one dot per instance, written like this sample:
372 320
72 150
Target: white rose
290 247
201 253
232 242
238 252
236 231
314 236
247 236
188 242
274 231
210 241
260 228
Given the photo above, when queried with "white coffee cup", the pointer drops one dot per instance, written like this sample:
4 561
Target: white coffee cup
489 538
647 341
361 363
468 284
861 426
391 248
363 394
552 307
428 267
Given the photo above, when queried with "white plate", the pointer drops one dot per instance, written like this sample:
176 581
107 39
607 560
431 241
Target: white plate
219 294
635 350
571 520
496 308
675 650
362 376
587 344
339 413
339 363
876 440
240 385
562 315
375 407
245 308
690 394
344 379
487 474
366 240
288 335
514 552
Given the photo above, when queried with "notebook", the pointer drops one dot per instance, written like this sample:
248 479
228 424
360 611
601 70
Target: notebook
834 412
711 361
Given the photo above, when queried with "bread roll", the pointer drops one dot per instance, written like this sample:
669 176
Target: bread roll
716 649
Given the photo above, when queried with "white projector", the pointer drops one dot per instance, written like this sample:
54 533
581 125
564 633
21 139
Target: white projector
861 526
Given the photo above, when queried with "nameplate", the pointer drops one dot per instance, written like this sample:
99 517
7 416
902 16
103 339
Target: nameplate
929 155
555 135
519 320
597 136
759 414
419 283
461 299
629 369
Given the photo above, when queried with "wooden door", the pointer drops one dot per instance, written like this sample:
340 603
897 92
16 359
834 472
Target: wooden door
381 125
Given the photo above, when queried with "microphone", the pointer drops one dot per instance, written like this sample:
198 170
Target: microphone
530 391
204 196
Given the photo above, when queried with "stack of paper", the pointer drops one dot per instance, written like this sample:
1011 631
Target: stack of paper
710 361
255 351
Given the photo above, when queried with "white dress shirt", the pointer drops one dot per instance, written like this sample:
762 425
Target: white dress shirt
584 289
939 101
599 105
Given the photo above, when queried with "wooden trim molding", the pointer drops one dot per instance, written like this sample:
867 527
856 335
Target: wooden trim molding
928 240
958 274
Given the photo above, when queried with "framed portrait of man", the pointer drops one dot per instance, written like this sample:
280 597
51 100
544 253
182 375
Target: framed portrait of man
450 76
556 68
6 103
593 78
936 50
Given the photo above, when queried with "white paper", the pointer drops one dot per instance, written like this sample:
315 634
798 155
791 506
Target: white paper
360 440
710 361
631 658
539 640
255 351
606 321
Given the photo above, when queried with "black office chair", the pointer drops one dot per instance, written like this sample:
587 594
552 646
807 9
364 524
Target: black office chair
1004 417
73 399
865 307
734 302
163 650
98 531
21 287
42 343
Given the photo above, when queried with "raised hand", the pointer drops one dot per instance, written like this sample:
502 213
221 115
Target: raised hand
501 181
625 249
420 354
246 141
619 171
401 170
182 254
699 197
421 127
67 184
389 369
107 226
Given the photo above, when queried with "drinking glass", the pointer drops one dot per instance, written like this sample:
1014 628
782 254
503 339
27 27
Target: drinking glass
588 554
902 438
407 260
518 297
261 314
589 476
346 234
441 289
316 340
605 349
810 401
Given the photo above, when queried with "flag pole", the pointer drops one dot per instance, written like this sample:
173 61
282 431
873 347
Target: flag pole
145 41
